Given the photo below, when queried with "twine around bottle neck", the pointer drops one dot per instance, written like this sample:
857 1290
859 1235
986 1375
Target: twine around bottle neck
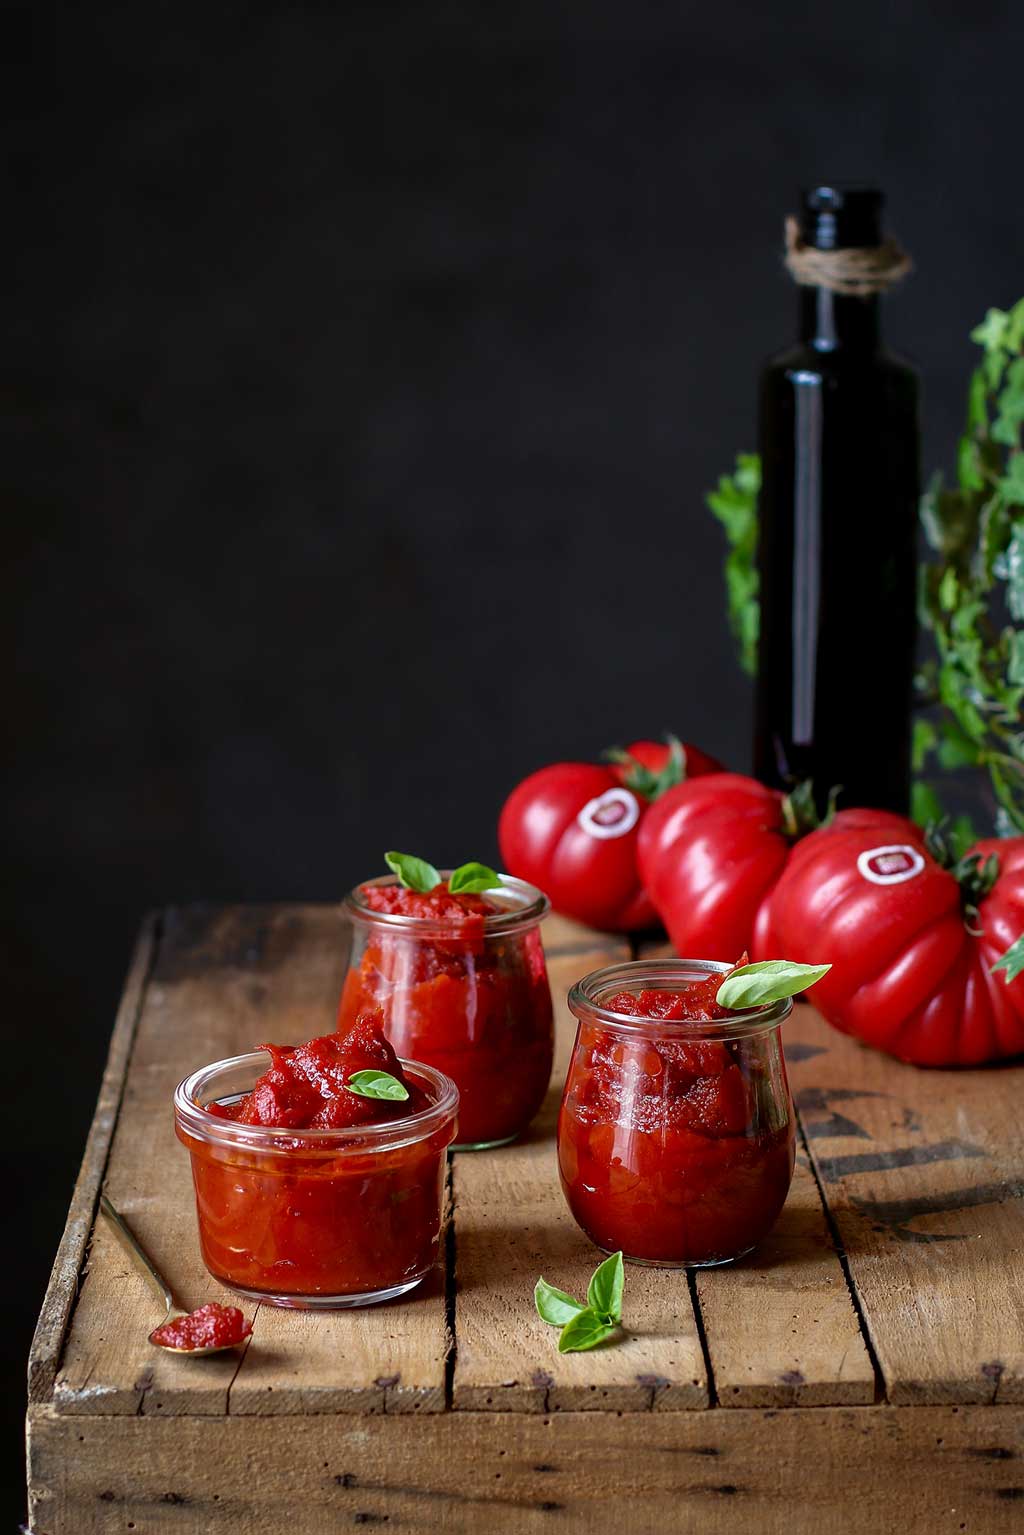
857 271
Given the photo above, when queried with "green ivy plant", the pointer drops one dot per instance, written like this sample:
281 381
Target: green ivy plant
971 595
734 503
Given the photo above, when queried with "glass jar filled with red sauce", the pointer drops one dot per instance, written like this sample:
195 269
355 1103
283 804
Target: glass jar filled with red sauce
308 1195
462 984
675 1137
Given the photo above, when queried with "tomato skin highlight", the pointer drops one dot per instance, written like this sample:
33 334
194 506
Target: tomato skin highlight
909 976
711 852
571 829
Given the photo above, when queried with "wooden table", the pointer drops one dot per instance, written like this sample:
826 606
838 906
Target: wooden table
863 1371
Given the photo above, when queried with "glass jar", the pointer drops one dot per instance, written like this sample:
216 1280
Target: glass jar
317 1219
675 1139
471 1000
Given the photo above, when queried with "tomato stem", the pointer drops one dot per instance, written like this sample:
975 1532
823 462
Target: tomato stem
800 812
646 782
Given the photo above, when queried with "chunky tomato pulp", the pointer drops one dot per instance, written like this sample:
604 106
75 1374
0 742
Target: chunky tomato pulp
307 1217
212 1326
473 1003
675 1149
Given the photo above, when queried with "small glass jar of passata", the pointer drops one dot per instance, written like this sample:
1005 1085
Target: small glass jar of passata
462 984
675 1136
319 1184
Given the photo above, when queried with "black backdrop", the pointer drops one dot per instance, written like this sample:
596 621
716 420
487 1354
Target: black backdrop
358 415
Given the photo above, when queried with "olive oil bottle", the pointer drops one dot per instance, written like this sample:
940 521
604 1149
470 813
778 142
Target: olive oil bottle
839 443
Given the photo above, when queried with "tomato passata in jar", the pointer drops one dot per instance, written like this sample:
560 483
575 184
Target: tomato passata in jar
320 1183
461 982
675 1137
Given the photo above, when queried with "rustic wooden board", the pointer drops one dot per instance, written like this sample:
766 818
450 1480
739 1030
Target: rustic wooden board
855 1471
781 1325
924 1176
512 1225
62 1289
223 980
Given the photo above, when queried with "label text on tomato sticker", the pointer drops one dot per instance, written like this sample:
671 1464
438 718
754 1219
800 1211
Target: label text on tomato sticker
890 865
611 814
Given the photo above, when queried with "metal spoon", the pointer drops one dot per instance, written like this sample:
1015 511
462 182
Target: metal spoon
149 1271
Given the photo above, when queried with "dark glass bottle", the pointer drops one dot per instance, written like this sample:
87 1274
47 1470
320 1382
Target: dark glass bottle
839 441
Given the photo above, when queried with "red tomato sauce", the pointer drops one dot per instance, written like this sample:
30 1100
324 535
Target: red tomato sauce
675 1150
475 1005
306 1086
465 912
312 1219
212 1326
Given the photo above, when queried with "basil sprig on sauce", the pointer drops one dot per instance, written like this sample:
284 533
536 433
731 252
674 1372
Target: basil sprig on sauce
584 1325
769 980
377 1084
471 878
416 874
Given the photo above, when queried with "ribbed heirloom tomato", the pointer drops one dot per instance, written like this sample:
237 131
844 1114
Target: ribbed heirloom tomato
711 851
919 953
571 829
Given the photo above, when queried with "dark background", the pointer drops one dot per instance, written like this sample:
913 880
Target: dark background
365 365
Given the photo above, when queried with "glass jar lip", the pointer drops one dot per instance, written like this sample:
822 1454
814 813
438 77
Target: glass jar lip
532 905
642 974
196 1121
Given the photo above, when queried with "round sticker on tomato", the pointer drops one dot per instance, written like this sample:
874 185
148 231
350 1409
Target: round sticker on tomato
890 865
611 814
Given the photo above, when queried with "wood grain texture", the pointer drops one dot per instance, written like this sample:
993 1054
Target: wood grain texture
564 936
854 1471
373 1360
48 1342
223 980
924 1176
781 1326
511 1226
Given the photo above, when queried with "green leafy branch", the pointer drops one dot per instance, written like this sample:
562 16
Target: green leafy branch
734 503
971 597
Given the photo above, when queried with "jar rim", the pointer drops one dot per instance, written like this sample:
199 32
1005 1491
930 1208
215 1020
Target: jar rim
197 1122
530 906
640 974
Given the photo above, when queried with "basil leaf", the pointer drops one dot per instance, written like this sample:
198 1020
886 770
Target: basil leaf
377 1084
585 1331
604 1293
554 1306
1012 961
767 981
413 873
471 877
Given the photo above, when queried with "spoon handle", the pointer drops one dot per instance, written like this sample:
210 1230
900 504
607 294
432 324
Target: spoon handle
130 1242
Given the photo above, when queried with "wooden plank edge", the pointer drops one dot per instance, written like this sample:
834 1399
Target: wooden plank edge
839 1245
870 1468
372 1401
62 1289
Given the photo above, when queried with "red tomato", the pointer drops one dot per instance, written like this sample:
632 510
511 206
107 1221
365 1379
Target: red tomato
911 944
711 851
571 829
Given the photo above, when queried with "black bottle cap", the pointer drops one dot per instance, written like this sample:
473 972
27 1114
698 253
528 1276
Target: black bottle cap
833 217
